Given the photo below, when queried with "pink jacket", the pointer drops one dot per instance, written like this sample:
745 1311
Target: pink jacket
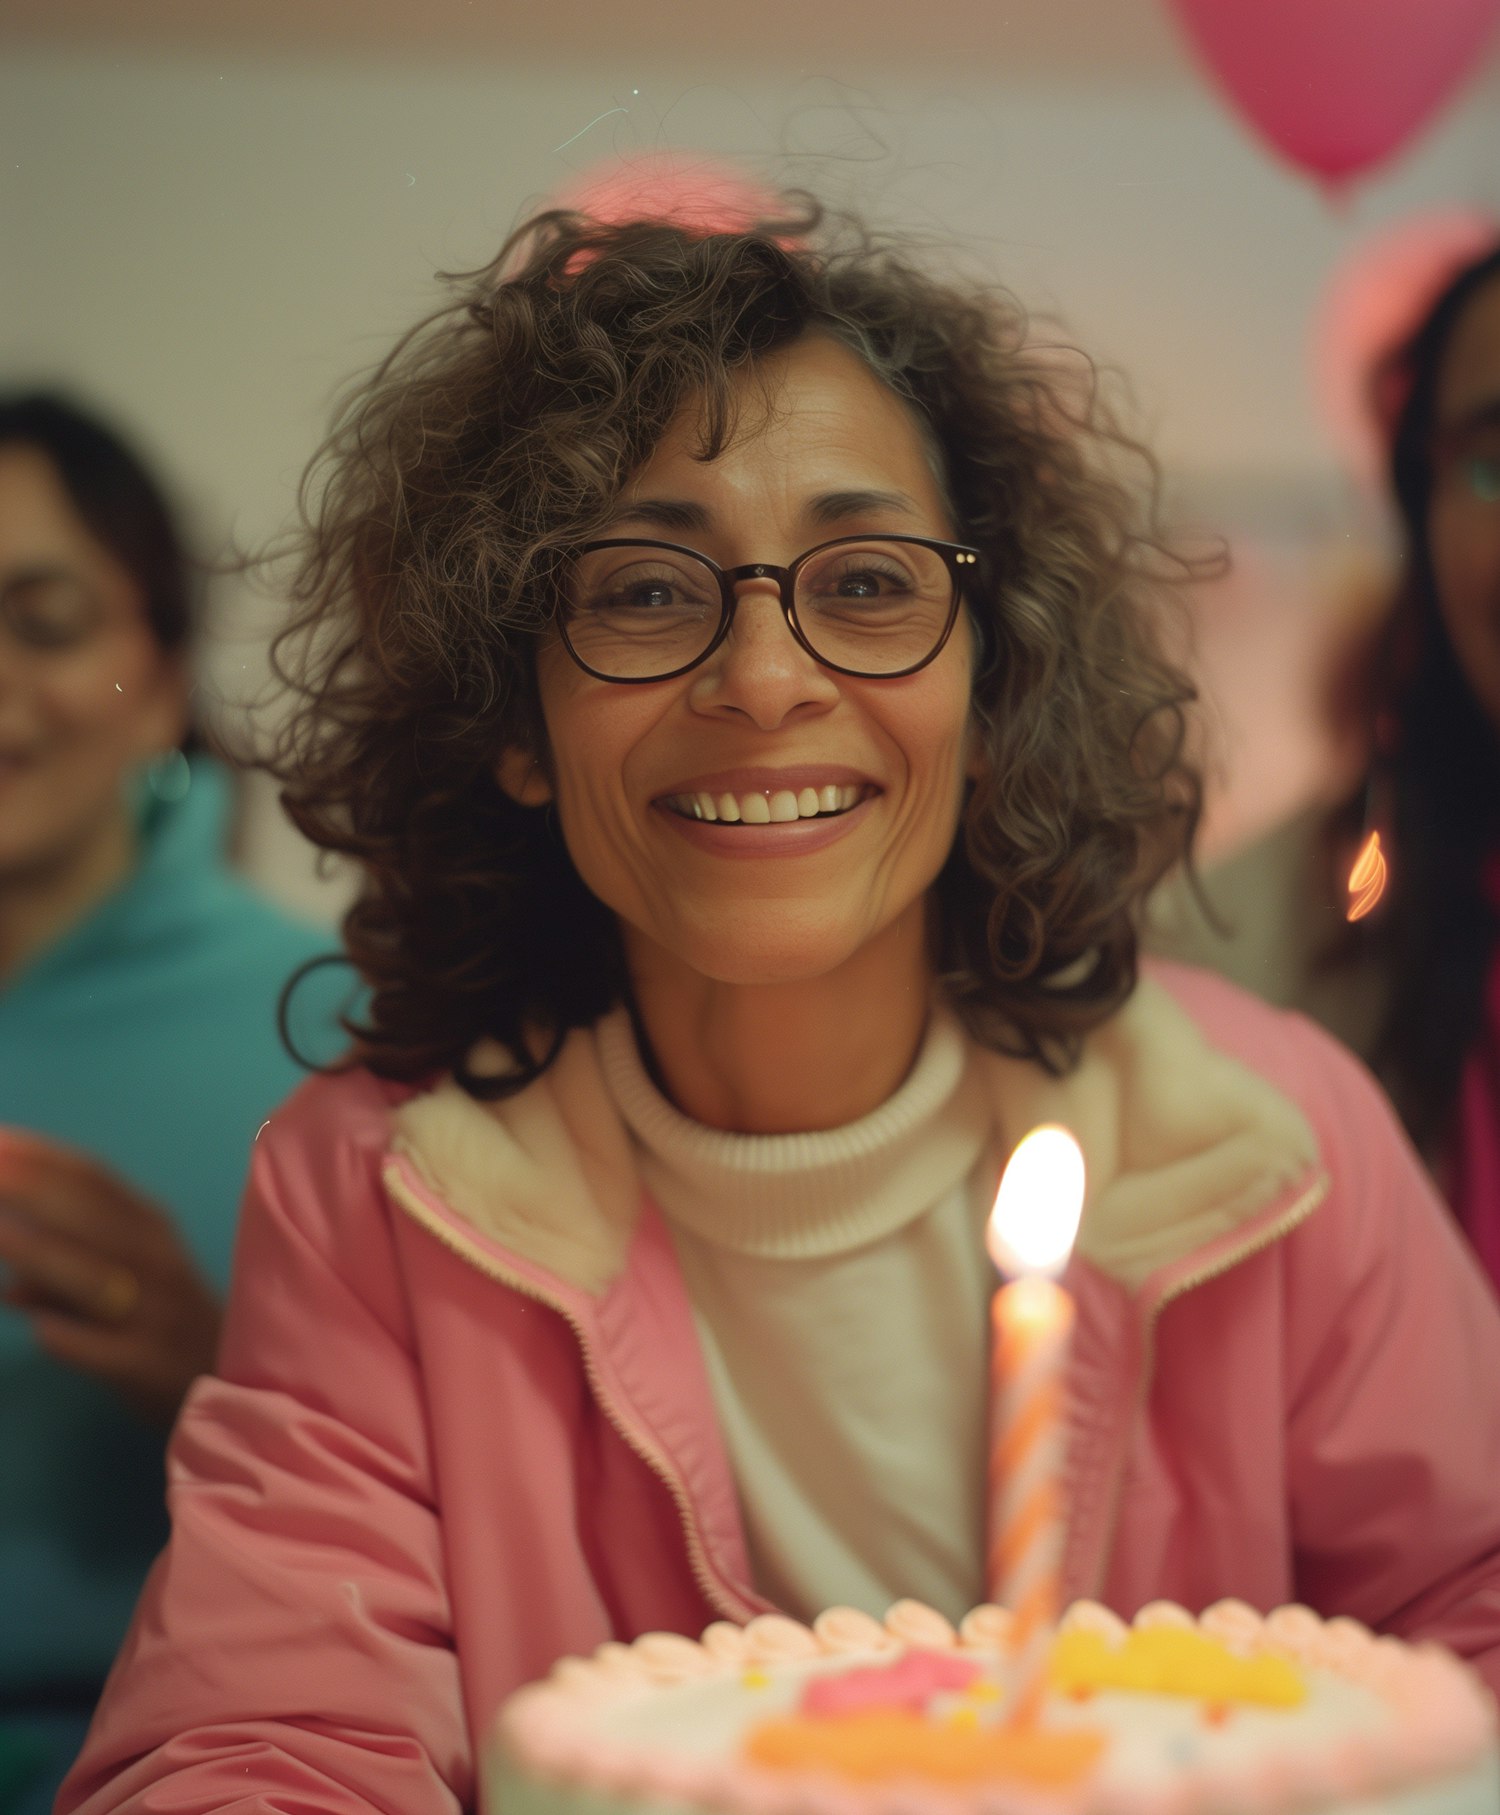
461 1426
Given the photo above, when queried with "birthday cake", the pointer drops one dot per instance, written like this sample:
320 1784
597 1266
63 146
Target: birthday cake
1227 1714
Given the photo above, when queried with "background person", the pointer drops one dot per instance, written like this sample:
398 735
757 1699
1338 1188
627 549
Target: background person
138 1056
1413 985
1435 785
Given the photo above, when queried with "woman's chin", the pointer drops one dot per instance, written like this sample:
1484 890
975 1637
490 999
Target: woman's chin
770 950
775 970
758 956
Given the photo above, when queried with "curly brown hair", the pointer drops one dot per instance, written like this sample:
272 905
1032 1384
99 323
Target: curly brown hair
438 519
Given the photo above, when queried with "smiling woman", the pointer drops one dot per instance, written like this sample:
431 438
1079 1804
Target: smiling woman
731 657
832 907
748 406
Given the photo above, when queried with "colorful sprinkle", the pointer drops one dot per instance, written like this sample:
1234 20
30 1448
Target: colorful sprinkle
880 1745
910 1683
1166 1660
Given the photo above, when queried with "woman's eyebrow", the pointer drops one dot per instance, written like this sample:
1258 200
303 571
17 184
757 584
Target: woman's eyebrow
825 508
834 507
665 513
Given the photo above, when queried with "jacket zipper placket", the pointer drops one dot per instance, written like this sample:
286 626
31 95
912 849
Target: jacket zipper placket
1296 1212
647 1452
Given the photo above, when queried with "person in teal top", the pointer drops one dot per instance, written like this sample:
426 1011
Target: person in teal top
139 1056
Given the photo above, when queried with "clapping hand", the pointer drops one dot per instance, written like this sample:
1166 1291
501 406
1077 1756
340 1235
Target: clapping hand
102 1275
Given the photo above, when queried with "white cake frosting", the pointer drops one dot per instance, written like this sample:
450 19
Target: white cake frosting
661 1726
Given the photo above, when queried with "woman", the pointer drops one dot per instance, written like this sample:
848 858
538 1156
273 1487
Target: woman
138 1055
1436 782
732 665
1412 984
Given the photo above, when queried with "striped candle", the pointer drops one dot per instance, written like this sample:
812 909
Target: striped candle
1031 1234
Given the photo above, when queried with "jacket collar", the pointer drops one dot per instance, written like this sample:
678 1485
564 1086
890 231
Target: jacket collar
1183 1145
1185 1149
548 1173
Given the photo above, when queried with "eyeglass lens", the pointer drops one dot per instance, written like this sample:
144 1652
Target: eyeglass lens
874 606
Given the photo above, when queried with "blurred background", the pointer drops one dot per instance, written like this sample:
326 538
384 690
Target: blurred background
212 215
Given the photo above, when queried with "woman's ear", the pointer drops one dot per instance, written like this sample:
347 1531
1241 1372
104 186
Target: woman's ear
521 776
162 718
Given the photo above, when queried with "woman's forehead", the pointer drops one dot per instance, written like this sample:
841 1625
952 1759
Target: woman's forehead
39 521
811 421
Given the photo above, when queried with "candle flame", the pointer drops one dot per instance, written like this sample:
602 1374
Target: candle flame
1367 878
1040 1201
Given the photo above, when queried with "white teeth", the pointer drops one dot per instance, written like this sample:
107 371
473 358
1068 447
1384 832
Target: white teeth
781 807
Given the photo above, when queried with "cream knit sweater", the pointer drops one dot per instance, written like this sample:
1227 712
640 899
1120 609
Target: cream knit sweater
840 1286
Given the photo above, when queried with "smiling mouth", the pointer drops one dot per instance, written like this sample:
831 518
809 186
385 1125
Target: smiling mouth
782 806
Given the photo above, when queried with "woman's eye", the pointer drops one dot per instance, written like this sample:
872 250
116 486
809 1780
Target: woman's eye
860 585
635 588
863 582
1481 474
48 612
645 593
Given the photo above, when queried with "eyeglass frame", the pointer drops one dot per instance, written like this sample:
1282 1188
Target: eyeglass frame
959 558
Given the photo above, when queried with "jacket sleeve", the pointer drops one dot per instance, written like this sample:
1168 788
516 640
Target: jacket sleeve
292 1647
1393 1370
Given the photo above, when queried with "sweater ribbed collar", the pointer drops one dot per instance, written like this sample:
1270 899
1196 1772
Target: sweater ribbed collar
807 1196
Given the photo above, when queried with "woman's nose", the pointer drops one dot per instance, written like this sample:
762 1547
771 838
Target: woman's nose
760 669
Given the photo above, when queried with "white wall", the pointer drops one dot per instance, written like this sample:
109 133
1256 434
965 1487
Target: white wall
207 242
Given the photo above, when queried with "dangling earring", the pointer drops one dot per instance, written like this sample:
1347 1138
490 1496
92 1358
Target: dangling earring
169 776
1367 874
1370 871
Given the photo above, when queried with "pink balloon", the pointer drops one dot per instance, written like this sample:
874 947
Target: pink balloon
693 192
1337 86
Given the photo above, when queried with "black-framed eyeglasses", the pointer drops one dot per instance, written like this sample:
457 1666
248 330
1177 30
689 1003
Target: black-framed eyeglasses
873 606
